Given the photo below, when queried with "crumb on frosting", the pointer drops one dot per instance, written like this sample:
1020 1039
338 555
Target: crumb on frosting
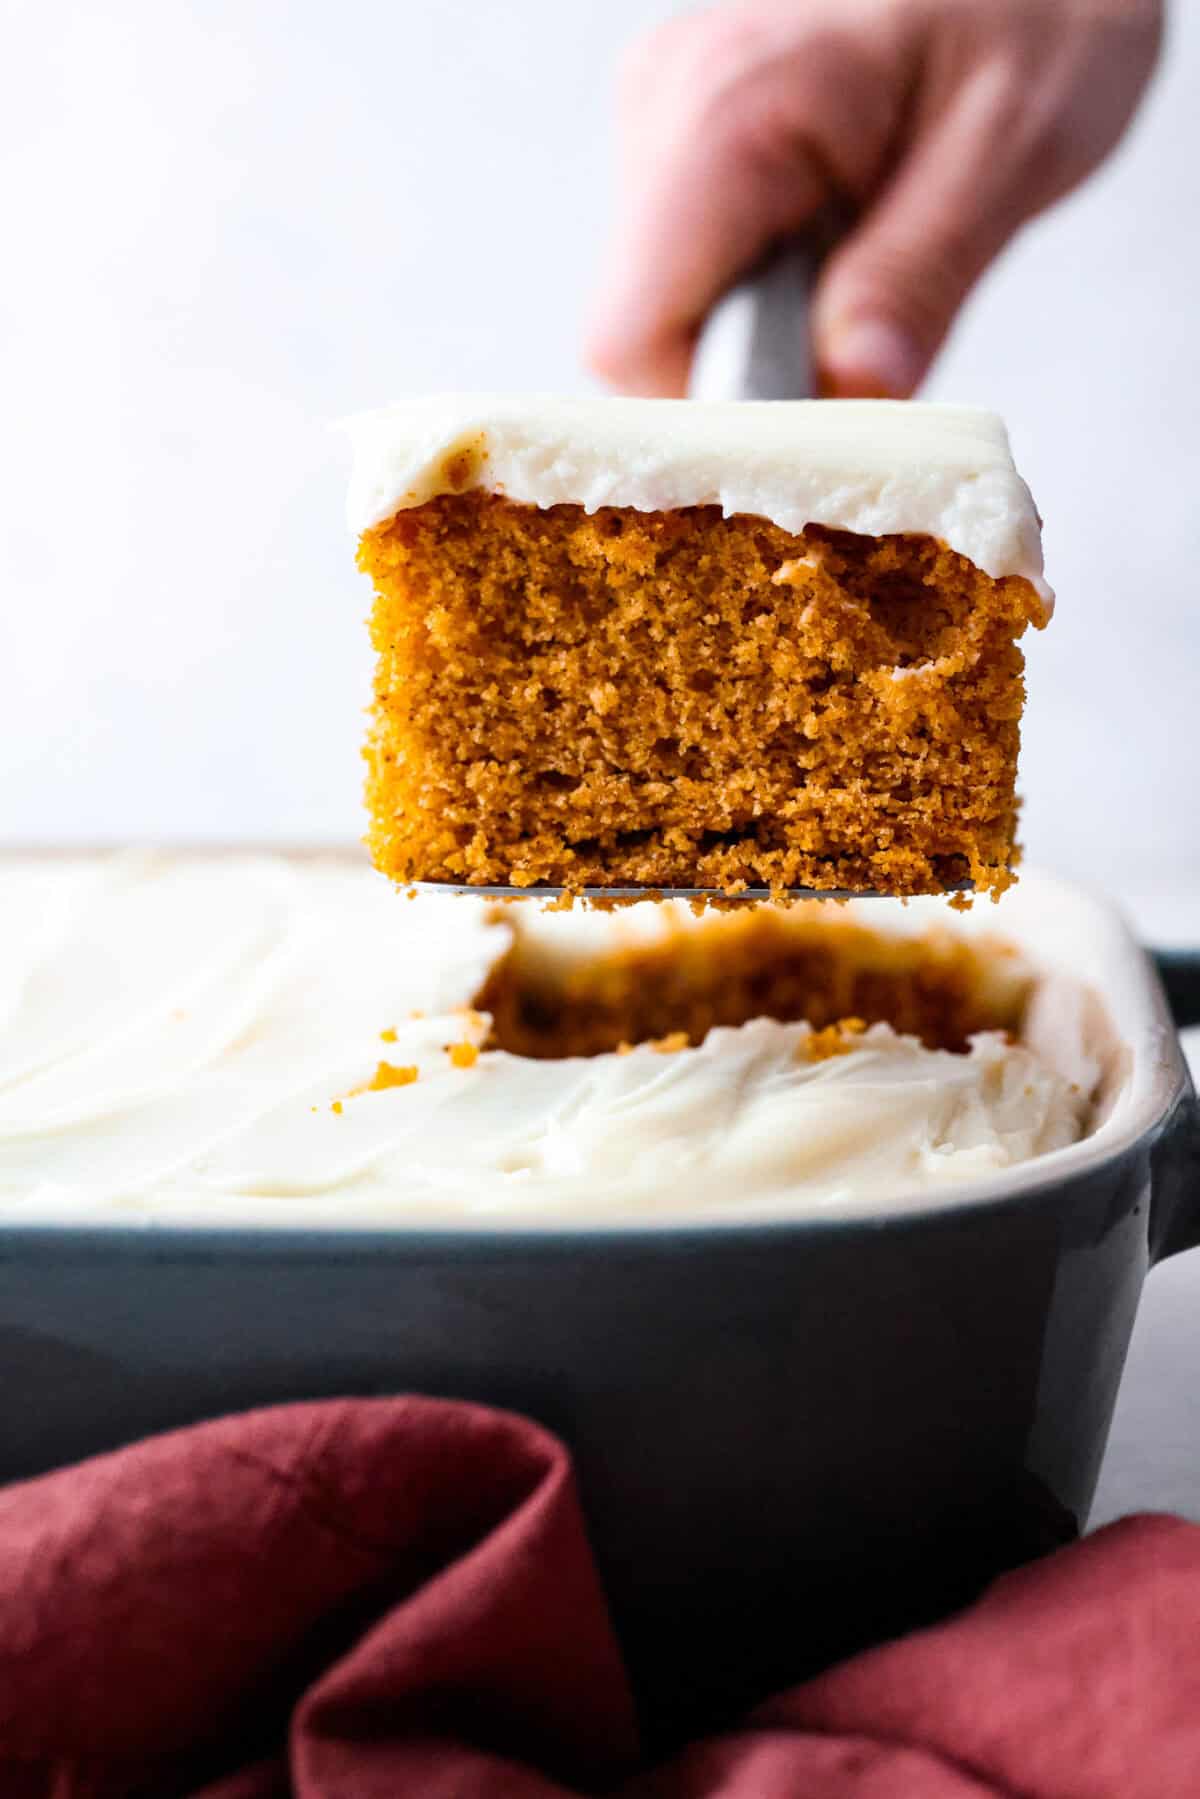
390 1074
836 1039
387 1074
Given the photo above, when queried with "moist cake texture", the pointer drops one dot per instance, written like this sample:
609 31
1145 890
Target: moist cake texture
576 693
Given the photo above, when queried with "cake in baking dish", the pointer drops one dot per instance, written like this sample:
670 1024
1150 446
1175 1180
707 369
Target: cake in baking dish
584 990
216 1037
674 644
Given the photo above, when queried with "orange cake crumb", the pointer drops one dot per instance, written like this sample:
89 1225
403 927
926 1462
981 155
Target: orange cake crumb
388 1074
684 699
835 1040
463 1055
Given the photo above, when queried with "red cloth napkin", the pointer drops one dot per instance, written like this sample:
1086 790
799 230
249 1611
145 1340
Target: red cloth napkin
370 1599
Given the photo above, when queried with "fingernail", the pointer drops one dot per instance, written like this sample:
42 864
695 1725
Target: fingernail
870 359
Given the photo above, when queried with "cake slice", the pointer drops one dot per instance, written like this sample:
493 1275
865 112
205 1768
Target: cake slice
672 644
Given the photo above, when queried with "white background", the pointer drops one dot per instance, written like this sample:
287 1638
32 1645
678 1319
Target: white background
228 223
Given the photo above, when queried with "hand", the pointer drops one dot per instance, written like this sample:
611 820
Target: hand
944 124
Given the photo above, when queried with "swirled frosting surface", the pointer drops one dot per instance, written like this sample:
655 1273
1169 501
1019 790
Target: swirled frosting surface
196 1036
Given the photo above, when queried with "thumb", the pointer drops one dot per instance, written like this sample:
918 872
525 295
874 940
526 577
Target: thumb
889 293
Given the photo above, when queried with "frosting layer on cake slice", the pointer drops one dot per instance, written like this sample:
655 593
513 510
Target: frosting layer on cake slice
872 467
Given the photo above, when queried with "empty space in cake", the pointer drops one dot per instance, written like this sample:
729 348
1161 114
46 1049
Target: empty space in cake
560 990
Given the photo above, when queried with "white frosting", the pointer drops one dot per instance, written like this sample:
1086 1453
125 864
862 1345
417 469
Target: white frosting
870 466
174 1032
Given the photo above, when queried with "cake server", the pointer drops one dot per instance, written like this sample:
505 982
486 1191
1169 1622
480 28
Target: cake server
755 345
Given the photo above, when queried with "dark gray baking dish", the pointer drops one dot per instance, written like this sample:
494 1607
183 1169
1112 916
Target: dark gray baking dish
793 1436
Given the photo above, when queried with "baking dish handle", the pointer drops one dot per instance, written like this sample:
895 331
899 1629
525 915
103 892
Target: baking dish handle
1177 1180
1179 972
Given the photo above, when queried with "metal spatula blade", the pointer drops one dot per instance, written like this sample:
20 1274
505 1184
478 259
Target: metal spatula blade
624 895
756 343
